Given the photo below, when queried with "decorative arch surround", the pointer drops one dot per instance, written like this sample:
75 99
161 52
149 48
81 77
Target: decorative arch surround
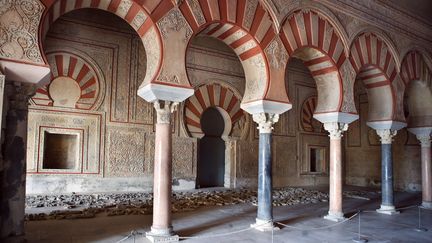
306 117
84 85
309 36
132 11
246 27
417 77
375 64
414 67
211 95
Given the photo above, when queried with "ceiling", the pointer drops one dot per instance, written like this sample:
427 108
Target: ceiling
415 8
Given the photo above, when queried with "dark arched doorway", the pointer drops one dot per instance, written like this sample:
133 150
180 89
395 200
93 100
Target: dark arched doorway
211 163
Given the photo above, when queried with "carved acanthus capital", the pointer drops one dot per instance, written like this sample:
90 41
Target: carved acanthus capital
164 110
265 121
335 129
386 135
425 140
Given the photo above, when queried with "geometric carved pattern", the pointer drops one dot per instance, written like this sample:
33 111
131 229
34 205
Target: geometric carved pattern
211 95
64 67
414 68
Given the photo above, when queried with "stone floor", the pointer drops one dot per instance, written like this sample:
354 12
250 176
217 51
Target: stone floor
207 221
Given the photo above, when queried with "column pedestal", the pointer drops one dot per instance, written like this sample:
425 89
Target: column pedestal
264 220
335 192
387 199
162 230
426 170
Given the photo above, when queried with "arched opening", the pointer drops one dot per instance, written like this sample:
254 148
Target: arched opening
77 122
211 159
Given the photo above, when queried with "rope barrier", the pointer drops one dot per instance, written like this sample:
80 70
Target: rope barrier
225 234
402 208
319 228
134 232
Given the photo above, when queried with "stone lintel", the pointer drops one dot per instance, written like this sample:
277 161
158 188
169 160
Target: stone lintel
384 125
265 106
152 92
340 117
25 72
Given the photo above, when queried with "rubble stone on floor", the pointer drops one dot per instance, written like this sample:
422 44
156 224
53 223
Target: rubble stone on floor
77 206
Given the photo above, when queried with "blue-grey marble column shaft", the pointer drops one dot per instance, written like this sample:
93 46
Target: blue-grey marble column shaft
265 209
386 175
264 220
387 200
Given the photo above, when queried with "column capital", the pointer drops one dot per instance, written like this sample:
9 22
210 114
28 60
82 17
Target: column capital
335 129
386 135
425 140
265 121
164 110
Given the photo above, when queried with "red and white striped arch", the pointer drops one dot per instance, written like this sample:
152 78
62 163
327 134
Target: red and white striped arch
414 68
245 26
211 95
375 65
65 64
309 36
134 12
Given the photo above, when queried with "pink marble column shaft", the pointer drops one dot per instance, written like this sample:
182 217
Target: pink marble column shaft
335 193
162 179
426 174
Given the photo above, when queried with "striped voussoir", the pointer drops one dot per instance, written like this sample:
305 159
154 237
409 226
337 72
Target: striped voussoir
414 68
373 61
308 108
311 37
243 25
69 65
211 95
129 10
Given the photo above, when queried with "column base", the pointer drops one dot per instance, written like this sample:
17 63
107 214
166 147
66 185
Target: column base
389 210
426 205
335 217
264 225
162 235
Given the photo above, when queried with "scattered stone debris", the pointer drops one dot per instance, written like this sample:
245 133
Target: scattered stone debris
89 205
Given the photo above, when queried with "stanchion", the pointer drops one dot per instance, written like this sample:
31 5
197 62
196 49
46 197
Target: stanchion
419 227
359 238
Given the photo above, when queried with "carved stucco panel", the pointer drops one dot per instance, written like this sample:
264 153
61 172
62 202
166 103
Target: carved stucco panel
277 53
348 78
19 22
125 152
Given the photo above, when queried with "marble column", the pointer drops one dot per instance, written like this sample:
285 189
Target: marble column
14 147
264 220
162 230
425 142
335 130
387 200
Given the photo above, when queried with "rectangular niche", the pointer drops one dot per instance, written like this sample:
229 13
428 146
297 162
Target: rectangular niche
60 151
317 160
